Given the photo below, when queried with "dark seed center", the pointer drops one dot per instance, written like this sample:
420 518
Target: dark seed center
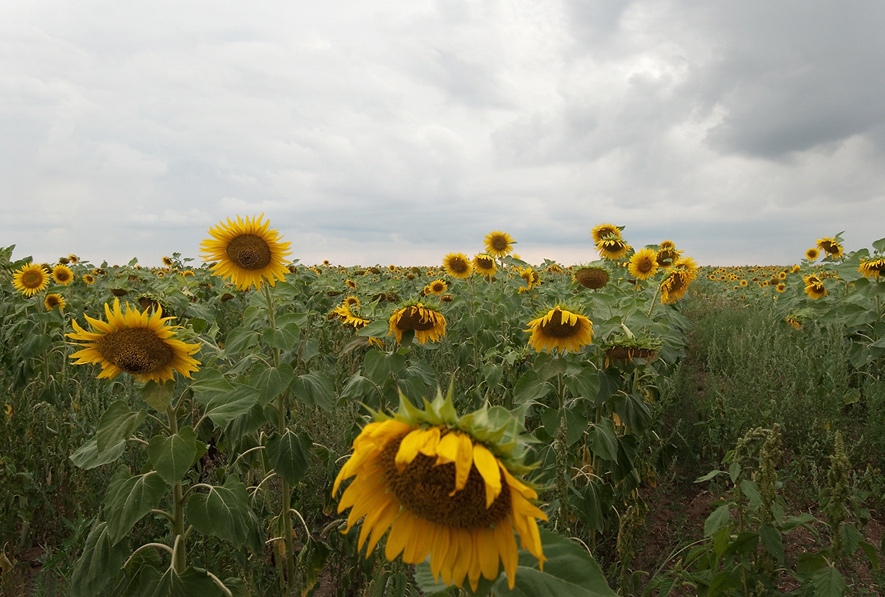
135 350
249 251
557 329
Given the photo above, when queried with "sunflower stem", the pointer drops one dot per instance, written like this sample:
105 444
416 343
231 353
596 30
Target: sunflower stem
654 300
179 556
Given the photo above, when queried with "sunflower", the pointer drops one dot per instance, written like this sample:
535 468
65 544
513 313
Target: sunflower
457 265
499 244
88 279
62 274
591 276
666 257
561 329
350 284
830 246
604 231
815 289
667 244
136 342
246 252
167 261
446 487
437 287
30 279
873 268
612 248
54 300
427 323
643 264
781 287
674 286
348 318
484 264
812 254
531 278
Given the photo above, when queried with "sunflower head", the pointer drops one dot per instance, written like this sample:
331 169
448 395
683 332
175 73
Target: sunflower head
437 287
447 488
53 301
625 347
135 342
562 329
530 277
812 254
498 243
675 285
666 257
612 248
604 231
872 268
591 276
643 264
484 264
831 246
457 265
62 274
426 322
247 252
30 279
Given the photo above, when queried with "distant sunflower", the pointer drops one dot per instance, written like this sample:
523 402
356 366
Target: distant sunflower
612 248
604 231
457 265
54 300
62 274
73 259
591 276
134 342
560 329
781 287
499 244
667 244
812 254
352 302
30 279
88 279
484 265
350 284
447 488
427 323
247 252
666 257
531 278
814 288
872 268
437 287
167 261
643 264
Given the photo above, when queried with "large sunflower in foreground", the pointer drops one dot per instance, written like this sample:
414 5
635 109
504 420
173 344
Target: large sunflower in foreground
643 264
560 329
872 268
136 342
427 323
458 265
446 487
30 279
246 252
499 244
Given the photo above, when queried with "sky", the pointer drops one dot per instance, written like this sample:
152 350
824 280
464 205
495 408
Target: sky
392 132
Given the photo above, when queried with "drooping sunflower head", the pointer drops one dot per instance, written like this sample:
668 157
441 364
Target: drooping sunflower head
831 246
612 248
30 279
667 244
623 348
812 254
485 265
447 488
54 300
604 231
674 286
427 323
591 276
643 264
499 244
530 277
815 289
352 302
458 265
62 274
247 252
560 329
666 257
135 342
168 262
872 268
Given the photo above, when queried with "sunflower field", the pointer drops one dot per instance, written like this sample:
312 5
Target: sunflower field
633 425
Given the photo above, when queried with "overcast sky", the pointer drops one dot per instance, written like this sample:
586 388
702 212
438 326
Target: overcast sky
398 131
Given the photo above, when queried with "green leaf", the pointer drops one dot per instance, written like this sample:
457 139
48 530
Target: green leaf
290 454
745 542
828 583
99 563
172 456
530 388
309 349
722 581
222 512
879 245
568 572
870 551
224 408
129 499
808 563
314 389
376 329
272 381
239 340
117 423
158 396
772 541
708 476
851 538
88 457
717 519
748 487
379 364
584 384
283 338
193 581
603 440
